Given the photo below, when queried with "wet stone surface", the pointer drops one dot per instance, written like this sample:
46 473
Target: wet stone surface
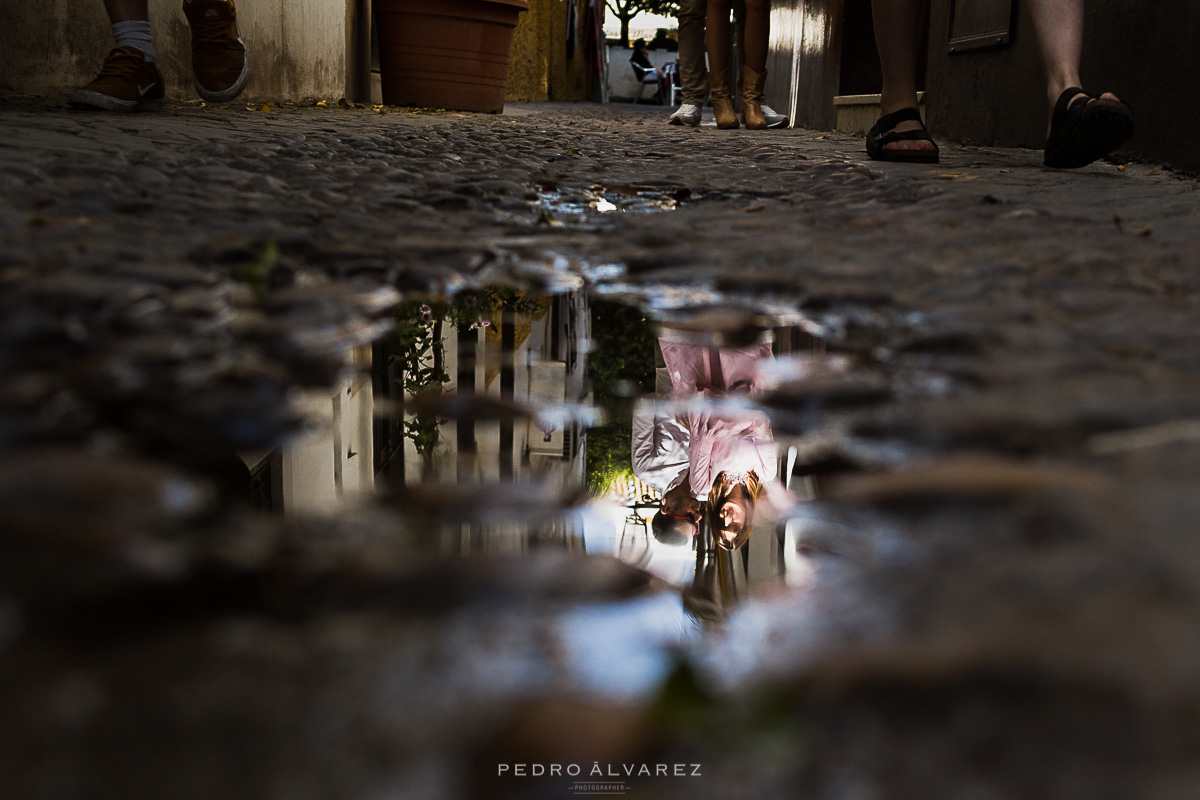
297 428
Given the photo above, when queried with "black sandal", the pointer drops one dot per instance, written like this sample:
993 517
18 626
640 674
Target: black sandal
1085 129
885 132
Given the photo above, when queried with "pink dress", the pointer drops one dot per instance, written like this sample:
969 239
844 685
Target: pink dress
735 444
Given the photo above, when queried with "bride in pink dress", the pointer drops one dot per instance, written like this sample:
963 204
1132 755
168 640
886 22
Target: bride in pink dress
732 459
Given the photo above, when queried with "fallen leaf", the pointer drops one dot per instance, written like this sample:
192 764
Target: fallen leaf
1119 223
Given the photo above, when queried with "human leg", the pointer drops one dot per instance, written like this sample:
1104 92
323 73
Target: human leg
692 70
130 25
758 32
126 10
898 39
717 40
774 119
1058 27
1082 128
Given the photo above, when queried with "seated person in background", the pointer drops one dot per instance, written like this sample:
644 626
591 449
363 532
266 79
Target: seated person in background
641 60
662 41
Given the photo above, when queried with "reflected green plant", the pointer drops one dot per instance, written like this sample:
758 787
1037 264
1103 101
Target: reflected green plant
421 352
620 367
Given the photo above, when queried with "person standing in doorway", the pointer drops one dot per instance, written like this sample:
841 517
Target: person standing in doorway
129 79
693 72
1083 127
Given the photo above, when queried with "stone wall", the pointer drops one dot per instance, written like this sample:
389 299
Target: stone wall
298 48
539 68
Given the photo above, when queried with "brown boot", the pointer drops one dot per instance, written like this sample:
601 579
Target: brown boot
722 103
752 98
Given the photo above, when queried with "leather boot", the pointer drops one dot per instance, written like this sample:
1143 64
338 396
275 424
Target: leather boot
752 98
722 103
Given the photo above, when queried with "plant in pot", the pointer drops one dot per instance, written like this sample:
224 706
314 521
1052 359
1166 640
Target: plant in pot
446 53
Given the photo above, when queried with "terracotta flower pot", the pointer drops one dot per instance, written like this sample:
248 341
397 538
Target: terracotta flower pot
446 53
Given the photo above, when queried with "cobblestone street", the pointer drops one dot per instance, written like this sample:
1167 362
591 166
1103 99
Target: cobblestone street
1004 396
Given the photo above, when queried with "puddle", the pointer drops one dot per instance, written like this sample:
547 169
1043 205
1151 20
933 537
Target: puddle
582 205
502 422
520 526
511 495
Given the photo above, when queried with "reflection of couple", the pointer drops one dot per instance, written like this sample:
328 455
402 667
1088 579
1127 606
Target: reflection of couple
706 462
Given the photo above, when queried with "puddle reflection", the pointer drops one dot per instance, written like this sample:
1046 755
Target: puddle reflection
575 205
503 424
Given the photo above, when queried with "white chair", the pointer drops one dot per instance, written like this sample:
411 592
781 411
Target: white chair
671 76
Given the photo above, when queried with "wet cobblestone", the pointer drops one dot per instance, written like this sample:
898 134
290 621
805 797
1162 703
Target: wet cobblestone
1006 427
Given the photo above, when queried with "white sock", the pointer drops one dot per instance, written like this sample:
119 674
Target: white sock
135 33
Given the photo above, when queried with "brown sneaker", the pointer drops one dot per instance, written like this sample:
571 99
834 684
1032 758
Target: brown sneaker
218 53
127 82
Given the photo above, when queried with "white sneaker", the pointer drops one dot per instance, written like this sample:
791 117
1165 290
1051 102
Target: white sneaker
687 114
774 120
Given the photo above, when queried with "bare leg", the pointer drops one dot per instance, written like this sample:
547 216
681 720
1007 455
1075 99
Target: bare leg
1058 25
758 34
898 39
716 36
125 10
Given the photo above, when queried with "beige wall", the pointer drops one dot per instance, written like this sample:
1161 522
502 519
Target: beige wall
297 47
539 68
335 462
